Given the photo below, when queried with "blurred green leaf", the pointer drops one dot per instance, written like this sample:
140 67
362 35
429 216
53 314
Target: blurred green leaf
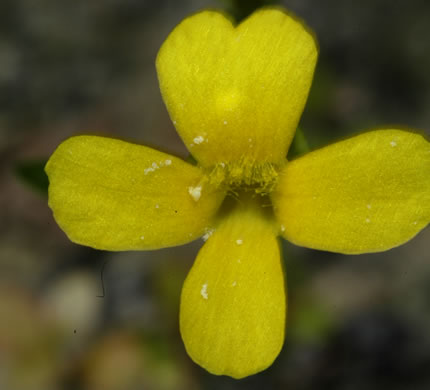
190 159
299 146
310 321
33 174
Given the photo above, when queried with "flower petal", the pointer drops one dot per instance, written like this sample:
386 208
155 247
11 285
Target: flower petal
366 194
110 194
233 304
237 93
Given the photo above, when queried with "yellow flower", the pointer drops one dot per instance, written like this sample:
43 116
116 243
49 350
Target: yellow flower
235 95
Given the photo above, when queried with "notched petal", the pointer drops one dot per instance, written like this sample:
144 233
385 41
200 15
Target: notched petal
237 93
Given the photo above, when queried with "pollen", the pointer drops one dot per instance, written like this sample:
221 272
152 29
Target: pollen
239 242
208 233
195 192
198 140
204 291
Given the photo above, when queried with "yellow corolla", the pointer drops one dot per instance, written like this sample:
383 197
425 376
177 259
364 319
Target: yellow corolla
235 95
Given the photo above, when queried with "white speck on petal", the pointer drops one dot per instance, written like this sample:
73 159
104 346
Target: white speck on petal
239 261
157 206
168 162
142 237
415 222
234 284
367 220
174 122
282 228
204 291
195 192
154 166
393 143
208 233
239 242
198 140
249 139
225 122
369 206
222 164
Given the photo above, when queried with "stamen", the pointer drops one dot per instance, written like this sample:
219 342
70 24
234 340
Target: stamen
245 175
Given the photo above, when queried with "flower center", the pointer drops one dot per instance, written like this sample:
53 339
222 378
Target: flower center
245 176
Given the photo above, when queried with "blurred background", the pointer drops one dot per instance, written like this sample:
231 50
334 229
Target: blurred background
87 67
